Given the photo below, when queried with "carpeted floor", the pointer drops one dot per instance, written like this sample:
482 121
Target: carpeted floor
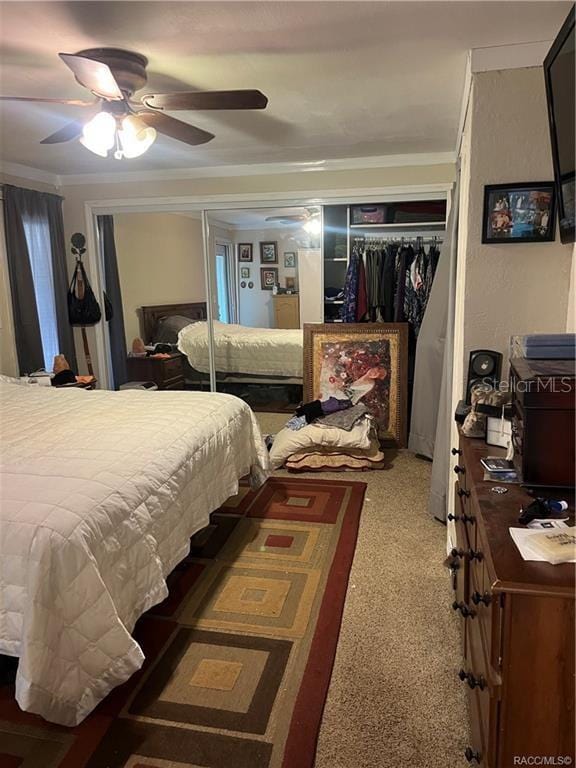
394 700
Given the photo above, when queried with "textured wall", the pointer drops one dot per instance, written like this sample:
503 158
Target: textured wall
510 289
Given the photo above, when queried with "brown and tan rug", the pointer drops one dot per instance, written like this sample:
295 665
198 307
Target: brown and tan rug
238 657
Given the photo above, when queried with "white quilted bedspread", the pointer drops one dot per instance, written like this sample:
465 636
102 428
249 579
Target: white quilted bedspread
240 349
99 495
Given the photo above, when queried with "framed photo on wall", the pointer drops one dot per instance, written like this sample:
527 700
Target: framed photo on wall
268 278
366 363
245 272
289 259
269 252
244 251
519 213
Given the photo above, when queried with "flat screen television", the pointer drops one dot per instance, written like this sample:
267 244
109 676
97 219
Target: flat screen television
559 76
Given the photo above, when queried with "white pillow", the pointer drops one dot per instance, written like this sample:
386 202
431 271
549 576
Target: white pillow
12 380
288 441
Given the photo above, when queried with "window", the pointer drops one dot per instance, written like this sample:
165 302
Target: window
222 287
37 234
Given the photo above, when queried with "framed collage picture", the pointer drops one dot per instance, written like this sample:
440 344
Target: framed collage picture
519 213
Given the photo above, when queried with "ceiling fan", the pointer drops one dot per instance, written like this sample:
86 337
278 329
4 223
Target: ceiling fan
129 126
291 218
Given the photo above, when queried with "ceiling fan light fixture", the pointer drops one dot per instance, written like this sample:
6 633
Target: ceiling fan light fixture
135 136
99 134
313 226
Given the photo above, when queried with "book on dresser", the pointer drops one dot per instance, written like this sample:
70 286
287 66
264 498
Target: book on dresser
517 622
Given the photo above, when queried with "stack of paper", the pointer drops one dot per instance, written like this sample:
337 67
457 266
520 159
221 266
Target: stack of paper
554 546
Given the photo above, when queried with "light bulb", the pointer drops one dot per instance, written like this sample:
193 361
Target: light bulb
98 134
135 136
313 226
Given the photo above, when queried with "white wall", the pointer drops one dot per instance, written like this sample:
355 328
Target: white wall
160 261
510 288
255 304
571 313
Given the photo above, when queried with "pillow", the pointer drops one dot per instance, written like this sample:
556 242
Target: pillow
288 441
12 380
169 328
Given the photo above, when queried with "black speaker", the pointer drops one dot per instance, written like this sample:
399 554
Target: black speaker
484 367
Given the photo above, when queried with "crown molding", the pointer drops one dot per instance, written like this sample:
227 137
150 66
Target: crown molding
515 56
260 169
30 174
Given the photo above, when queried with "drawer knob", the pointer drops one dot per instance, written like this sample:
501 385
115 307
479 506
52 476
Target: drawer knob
456 553
475 554
451 517
464 610
456 452
473 682
468 518
459 470
462 492
477 598
472 755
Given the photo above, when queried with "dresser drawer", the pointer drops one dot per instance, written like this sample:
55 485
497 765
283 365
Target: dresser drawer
487 687
172 368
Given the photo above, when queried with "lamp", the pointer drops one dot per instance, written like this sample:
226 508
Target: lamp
131 139
135 137
99 134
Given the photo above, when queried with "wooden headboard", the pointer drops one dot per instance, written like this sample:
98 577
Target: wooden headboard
151 316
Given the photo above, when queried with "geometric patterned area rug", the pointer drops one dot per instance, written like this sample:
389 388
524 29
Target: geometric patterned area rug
239 655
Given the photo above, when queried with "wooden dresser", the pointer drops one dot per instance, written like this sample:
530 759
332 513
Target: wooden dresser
165 372
286 310
517 627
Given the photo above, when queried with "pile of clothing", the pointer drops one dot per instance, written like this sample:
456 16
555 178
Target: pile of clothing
328 435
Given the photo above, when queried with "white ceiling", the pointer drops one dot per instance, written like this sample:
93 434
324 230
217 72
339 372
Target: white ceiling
344 79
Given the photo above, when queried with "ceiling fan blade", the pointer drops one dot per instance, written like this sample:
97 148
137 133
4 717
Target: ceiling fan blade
206 100
69 132
70 102
176 129
295 217
94 75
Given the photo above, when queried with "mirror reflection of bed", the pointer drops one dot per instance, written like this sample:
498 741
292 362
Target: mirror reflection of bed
265 266
262 281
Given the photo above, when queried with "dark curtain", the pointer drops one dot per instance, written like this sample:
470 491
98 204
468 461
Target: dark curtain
116 333
53 205
26 324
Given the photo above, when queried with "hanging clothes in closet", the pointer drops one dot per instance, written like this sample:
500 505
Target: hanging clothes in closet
389 281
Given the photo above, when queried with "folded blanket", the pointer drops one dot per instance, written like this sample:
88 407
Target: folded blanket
335 460
343 419
288 442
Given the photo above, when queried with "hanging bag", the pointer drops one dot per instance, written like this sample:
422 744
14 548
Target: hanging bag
83 308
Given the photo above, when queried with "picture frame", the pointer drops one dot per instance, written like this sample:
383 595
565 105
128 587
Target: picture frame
367 362
245 252
244 272
289 259
269 252
268 278
519 213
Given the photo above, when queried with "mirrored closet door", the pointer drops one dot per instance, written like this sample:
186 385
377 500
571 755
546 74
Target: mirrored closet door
152 267
266 281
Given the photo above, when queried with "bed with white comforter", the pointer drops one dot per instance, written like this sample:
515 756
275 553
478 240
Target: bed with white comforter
244 350
99 495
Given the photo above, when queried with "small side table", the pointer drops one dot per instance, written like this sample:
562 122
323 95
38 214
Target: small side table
165 372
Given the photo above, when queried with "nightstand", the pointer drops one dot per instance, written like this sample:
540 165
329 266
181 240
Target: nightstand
165 372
